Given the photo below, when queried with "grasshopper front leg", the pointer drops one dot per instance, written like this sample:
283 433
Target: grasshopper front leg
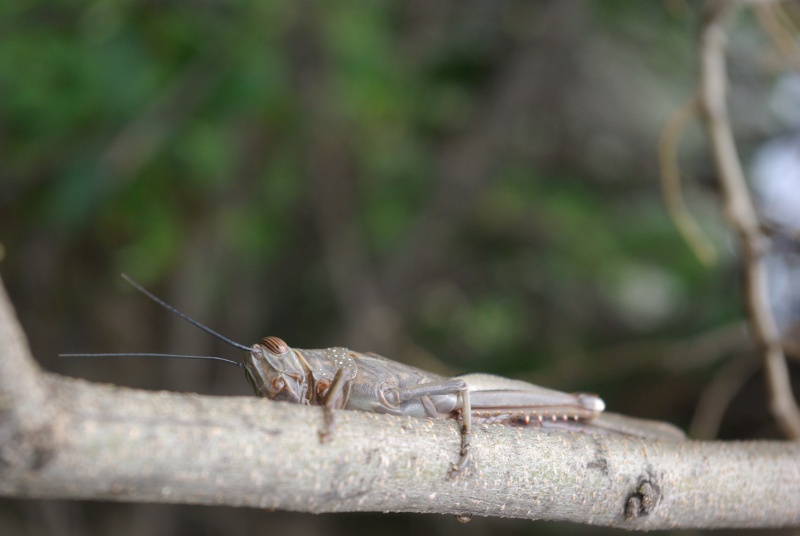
335 393
454 386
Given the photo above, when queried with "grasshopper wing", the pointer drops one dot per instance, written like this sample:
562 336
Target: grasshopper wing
498 399
502 400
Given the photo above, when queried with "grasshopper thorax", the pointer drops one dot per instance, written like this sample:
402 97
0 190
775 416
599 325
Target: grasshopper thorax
276 371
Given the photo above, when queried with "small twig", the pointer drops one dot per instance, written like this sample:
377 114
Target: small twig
671 182
717 396
702 350
769 16
139 140
741 213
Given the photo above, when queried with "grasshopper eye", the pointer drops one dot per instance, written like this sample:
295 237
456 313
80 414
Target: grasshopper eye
275 345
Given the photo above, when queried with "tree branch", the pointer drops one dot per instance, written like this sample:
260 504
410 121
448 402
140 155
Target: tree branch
88 441
671 189
741 213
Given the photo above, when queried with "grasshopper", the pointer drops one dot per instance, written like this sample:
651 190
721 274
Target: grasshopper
338 378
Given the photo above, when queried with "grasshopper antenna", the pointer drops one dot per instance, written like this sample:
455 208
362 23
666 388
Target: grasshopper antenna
189 319
179 356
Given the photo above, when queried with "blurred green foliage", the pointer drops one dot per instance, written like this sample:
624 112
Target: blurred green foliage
284 140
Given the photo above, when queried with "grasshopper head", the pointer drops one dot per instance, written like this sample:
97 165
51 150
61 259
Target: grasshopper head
276 371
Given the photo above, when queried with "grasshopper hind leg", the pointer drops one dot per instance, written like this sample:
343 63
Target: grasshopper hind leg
466 433
452 386
456 468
